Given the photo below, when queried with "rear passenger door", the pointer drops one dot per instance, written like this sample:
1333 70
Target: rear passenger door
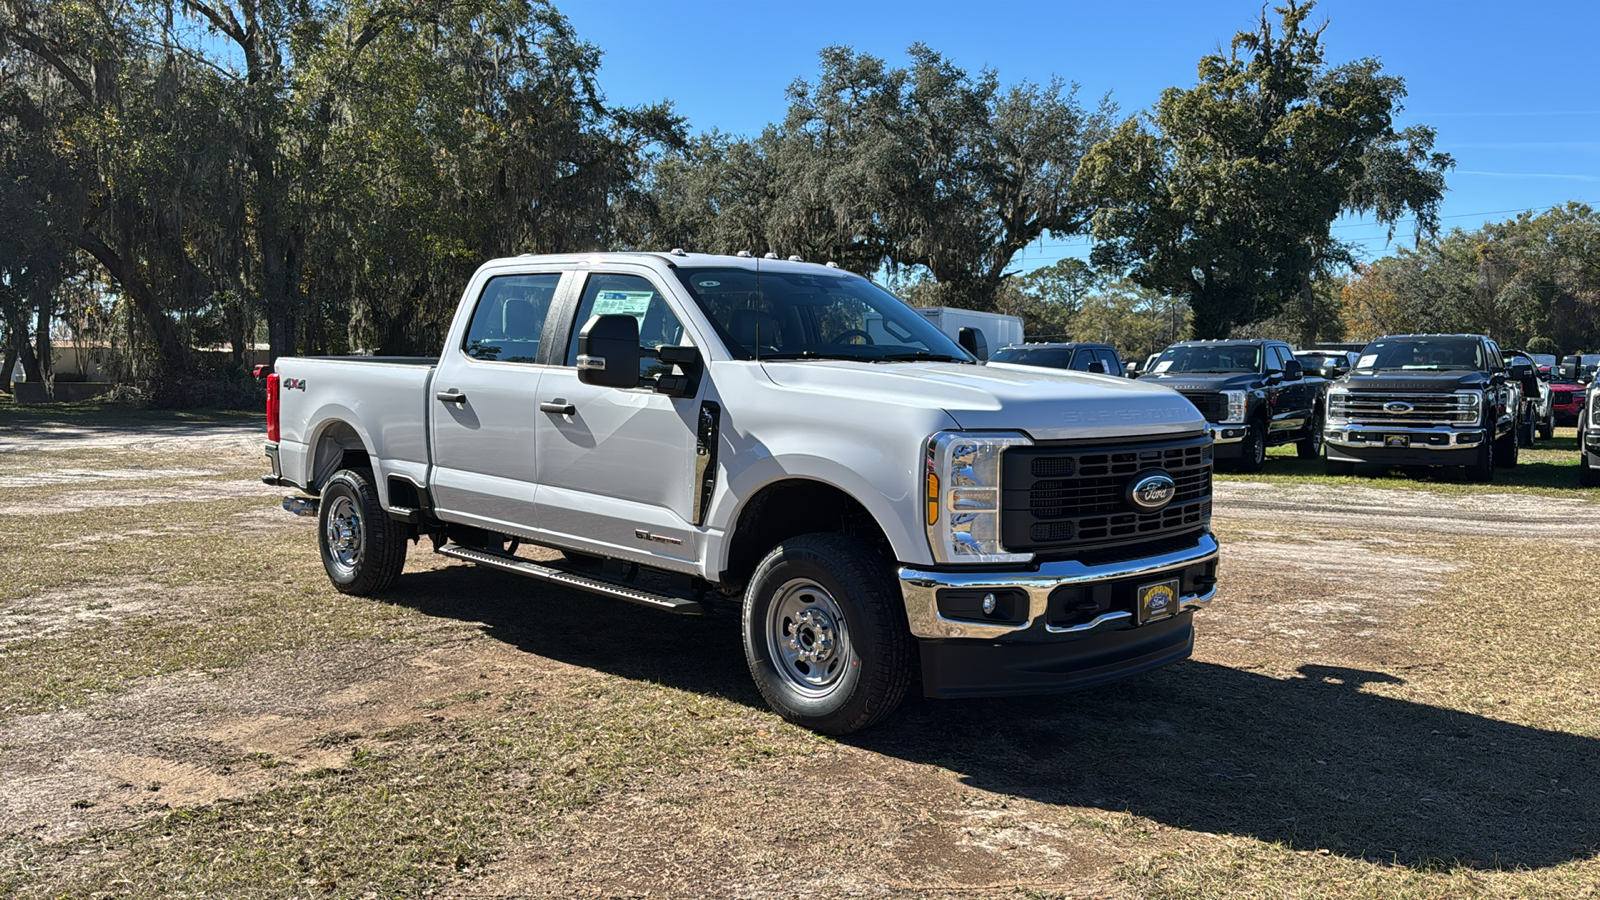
484 405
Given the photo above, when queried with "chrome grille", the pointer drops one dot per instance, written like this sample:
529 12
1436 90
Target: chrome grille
1419 410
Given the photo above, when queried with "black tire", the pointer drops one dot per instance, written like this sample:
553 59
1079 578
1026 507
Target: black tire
1525 434
1505 450
363 550
1482 469
1547 428
852 611
1587 477
1310 446
1338 467
1253 449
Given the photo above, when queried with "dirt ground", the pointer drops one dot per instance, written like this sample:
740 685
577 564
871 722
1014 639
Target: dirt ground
1393 695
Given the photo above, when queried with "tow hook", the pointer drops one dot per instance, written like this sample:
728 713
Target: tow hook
301 506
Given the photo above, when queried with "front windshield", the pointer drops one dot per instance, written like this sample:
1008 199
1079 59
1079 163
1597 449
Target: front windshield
1423 355
1210 359
820 315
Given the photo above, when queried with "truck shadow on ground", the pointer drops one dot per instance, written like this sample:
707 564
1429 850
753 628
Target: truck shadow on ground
1314 761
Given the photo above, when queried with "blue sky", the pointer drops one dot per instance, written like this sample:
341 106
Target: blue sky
1513 87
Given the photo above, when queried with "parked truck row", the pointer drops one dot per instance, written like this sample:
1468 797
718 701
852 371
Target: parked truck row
881 509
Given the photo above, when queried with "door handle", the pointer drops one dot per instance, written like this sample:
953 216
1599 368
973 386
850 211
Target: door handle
557 407
451 396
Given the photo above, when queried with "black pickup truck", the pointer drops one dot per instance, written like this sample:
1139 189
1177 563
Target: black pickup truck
1254 394
1427 400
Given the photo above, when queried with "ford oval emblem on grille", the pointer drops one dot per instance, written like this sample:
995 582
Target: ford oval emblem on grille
1397 406
1151 490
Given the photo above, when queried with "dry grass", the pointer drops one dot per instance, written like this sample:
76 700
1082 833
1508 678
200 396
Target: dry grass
187 709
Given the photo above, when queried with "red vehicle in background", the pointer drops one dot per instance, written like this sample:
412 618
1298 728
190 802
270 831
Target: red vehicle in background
1569 385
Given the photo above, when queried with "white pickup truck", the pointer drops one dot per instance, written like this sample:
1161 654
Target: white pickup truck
695 431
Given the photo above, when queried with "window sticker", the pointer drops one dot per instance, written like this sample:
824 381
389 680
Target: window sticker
623 303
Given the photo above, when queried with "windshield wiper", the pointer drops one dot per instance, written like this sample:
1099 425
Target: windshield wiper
914 355
805 354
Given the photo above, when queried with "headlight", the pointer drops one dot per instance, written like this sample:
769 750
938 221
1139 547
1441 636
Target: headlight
1337 412
1469 408
1236 405
962 497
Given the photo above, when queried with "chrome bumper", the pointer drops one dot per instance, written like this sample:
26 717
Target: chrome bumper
1227 434
920 588
1437 437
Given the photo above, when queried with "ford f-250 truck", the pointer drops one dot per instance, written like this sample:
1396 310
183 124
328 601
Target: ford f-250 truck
1427 400
698 431
1254 394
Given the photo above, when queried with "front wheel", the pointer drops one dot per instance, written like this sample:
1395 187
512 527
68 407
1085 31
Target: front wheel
1310 446
1253 449
363 550
824 634
1505 451
1482 468
1547 428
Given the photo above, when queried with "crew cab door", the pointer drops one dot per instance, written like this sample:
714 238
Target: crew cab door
483 405
617 465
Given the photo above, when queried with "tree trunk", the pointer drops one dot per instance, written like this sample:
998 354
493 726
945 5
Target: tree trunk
6 367
171 350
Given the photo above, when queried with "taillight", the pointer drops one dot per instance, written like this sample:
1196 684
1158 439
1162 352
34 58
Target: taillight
272 406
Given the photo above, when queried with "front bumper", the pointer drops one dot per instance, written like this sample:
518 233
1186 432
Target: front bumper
1441 445
1225 439
1060 626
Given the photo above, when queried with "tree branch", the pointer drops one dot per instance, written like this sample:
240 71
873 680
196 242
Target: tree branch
36 45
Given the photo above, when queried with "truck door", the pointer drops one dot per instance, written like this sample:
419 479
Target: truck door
484 406
617 467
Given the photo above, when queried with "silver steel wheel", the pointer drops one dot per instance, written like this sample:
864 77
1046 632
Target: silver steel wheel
344 535
807 638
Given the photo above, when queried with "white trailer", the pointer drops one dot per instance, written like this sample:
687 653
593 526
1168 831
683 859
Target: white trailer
998 330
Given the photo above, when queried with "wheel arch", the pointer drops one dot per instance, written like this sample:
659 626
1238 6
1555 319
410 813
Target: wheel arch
788 507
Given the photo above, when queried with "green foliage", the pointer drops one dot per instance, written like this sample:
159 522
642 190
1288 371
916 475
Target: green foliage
1225 194
924 168
1519 281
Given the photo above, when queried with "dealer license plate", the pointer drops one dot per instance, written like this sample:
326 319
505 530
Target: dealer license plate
1157 601
1397 440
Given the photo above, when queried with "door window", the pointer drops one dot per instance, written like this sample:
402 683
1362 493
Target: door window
509 318
630 295
1081 360
1113 365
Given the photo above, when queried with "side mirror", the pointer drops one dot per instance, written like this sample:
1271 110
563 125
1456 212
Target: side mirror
971 340
1273 377
1293 370
608 352
1097 367
1569 372
686 380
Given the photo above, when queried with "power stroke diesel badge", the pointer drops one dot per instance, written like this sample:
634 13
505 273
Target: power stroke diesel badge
1151 490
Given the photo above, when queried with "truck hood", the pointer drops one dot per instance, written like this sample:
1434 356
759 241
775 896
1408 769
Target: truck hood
1047 404
1181 381
1417 381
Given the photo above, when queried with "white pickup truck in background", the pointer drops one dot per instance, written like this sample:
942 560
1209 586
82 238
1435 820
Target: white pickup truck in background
696 430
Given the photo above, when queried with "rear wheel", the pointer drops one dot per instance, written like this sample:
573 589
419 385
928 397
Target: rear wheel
1253 449
1547 428
363 550
1310 446
824 634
